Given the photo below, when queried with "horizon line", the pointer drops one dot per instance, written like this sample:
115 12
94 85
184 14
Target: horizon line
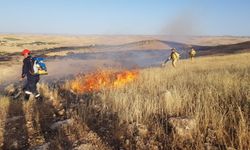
72 34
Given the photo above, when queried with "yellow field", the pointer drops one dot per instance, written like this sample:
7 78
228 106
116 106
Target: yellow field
16 43
214 91
211 93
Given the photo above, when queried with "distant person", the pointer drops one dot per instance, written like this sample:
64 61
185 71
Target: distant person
192 53
28 72
174 56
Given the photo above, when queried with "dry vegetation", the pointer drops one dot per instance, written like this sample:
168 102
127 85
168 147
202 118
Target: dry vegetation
213 93
211 80
203 104
36 124
15 43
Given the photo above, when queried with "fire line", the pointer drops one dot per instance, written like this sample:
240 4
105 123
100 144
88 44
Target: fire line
103 79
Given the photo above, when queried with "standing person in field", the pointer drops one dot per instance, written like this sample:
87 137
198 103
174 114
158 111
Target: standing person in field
28 72
174 56
192 53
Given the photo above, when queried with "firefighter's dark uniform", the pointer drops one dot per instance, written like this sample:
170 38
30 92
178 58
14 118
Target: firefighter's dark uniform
32 79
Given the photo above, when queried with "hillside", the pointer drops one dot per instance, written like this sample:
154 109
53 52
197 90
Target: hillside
203 104
224 49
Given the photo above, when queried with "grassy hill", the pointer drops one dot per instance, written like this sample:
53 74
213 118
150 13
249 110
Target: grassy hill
213 91
201 104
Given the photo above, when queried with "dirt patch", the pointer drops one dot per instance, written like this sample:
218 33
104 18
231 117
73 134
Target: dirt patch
38 123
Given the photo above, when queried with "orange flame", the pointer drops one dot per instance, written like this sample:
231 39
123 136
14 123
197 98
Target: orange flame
105 79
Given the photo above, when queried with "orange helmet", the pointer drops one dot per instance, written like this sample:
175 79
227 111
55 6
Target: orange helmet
26 51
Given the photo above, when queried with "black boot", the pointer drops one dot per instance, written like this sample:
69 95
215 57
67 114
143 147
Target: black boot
26 97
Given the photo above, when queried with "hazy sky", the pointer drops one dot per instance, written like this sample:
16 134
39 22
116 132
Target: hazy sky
181 17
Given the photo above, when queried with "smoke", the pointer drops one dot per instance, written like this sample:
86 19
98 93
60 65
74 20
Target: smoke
187 23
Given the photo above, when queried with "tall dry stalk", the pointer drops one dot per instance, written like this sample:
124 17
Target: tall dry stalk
213 90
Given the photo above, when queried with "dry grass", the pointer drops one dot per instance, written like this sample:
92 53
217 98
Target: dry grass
213 90
16 42
27 124
4 103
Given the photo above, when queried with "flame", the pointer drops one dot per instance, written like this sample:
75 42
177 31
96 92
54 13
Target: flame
103 79
124 77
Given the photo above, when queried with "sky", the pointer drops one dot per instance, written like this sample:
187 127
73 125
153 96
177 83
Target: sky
126 17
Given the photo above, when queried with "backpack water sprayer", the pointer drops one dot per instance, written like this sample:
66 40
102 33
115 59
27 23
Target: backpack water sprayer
39 66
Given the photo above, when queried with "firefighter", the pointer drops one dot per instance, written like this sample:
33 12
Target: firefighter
28 72
192 53
174 56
